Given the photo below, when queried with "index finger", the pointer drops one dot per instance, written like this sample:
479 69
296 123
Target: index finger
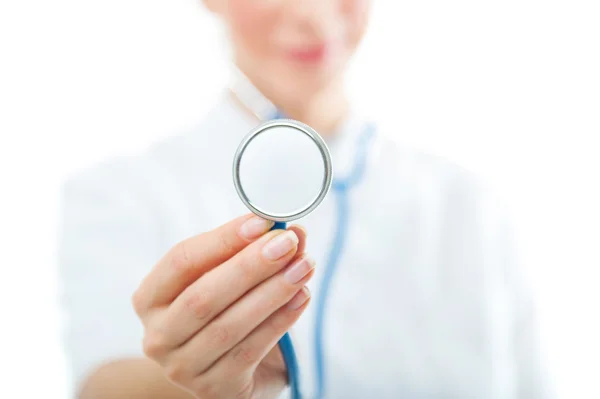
190 259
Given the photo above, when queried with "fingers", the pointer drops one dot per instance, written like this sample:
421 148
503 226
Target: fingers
191 258
233 325
301 233
247 354
216 291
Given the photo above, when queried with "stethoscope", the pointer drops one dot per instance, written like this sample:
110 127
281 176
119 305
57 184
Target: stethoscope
341 187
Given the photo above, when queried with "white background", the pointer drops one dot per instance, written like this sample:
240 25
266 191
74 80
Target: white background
509 88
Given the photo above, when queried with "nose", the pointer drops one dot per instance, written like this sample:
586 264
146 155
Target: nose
315 17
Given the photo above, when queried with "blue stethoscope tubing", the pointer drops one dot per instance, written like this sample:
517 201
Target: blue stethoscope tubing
287 350
341 188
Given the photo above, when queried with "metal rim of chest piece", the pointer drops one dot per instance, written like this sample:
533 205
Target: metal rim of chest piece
325 184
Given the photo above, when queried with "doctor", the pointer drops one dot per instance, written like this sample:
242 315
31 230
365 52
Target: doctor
173 291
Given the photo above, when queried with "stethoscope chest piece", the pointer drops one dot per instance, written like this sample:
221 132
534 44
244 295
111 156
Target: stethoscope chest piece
282 170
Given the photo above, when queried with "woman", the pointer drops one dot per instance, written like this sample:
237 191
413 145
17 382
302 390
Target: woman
426 300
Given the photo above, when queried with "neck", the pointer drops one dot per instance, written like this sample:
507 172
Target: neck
323 110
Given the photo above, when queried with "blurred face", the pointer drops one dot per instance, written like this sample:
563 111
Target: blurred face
293 47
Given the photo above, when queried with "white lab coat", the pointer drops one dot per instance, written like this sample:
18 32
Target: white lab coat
427 300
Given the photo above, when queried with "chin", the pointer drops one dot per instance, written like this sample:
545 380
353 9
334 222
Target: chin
311 78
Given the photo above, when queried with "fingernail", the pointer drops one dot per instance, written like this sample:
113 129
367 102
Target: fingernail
280 245
298 270
299 299
255 227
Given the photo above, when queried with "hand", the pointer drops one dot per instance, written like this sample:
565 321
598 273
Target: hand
215 306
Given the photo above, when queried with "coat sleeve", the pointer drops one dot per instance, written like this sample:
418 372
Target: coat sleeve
533 374
108 242
524 339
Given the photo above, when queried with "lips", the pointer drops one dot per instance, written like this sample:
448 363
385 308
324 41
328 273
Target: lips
311 54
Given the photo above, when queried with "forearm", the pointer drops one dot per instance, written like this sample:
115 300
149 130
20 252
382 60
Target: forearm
130 379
